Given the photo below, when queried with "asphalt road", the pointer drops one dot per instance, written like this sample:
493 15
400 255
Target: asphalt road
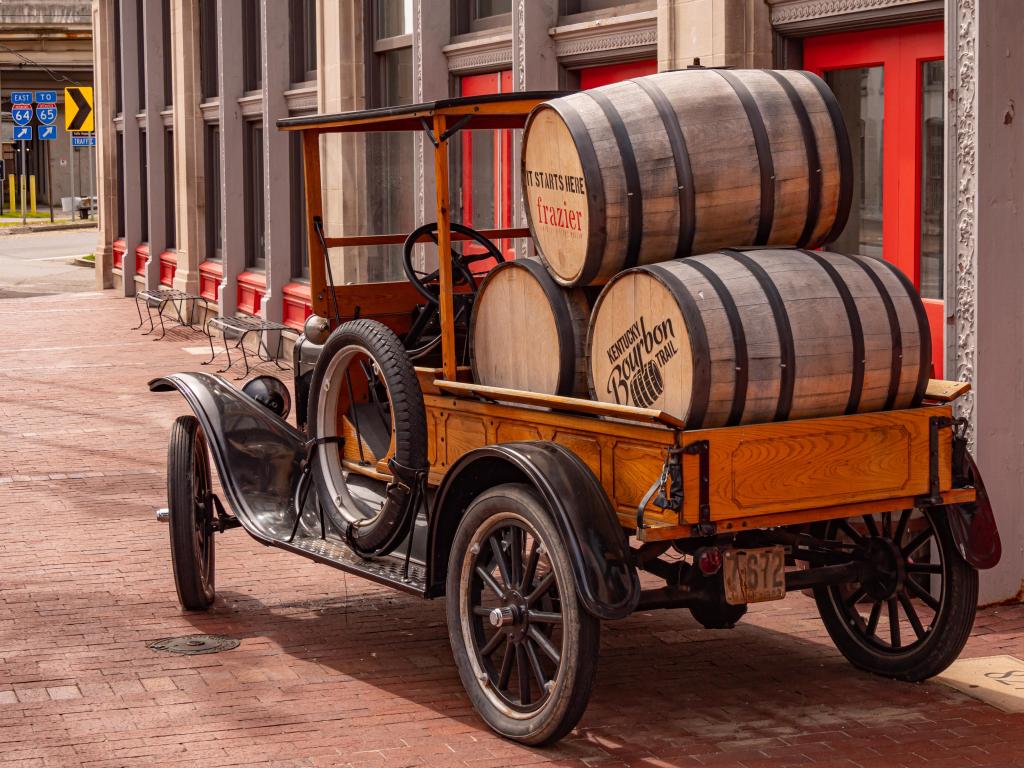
40 263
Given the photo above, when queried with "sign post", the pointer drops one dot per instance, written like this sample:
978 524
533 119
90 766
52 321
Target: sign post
21 113
78 116
46 113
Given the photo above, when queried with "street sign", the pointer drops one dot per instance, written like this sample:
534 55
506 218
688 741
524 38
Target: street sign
47 132
83 141
46 113
46 97
23 133
78 109
21 97
21 114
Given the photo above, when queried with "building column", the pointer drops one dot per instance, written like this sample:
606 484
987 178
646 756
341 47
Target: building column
985 189
721 33
341 87
156 137
106 139
189 166
431 31
276 157
230 40
534 67
132 144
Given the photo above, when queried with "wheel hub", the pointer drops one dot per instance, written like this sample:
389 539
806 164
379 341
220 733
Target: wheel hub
513 617
884 569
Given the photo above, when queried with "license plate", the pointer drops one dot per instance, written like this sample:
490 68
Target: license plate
754 575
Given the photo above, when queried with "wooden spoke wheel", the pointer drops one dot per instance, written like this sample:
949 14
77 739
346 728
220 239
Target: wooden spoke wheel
911 611
190 509
525 648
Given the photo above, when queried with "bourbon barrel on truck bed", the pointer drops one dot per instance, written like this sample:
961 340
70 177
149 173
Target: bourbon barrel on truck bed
682 163
739 337
528 332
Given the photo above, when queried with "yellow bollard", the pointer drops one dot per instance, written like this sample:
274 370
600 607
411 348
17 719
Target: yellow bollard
32 193
12 198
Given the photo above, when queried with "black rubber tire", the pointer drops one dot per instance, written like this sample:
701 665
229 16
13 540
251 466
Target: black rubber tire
408 412
574 679
190 519
952 628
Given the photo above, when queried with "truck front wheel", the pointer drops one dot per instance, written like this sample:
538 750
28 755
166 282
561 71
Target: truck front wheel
525 648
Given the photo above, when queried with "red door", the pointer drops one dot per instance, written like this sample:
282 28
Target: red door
890 85
486 178
592 77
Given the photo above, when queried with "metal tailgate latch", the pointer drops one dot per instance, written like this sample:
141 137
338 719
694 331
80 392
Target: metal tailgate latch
668 486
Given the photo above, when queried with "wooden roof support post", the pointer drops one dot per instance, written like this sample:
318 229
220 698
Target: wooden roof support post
444 250
315 208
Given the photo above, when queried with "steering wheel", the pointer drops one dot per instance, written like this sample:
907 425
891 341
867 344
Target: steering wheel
428 283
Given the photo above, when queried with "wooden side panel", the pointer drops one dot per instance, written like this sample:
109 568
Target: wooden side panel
765 472
788 466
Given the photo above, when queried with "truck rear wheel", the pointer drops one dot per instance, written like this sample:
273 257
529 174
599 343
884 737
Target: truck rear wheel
190 514
525 648
912 611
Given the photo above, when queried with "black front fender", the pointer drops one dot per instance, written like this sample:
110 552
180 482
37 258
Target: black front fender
257 454
598 549
973 525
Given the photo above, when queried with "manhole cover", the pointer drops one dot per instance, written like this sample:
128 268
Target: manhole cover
194 644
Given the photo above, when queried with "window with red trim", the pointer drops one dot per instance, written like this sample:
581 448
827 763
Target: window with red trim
890 86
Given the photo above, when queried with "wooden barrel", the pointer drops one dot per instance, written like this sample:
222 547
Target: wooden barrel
680 163
528 332
739 337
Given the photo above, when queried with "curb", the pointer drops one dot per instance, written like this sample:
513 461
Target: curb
83 263
21 230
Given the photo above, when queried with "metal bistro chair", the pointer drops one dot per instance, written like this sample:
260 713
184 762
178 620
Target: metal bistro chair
244 326
160 298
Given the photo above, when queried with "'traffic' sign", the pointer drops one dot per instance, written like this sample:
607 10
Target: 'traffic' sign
78 109
47 132
23 133
21 97
84 141
21 114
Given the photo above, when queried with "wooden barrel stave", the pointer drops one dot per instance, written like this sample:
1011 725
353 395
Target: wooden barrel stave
529 333
672 167
828 314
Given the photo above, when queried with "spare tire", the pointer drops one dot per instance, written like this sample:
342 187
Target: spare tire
364 376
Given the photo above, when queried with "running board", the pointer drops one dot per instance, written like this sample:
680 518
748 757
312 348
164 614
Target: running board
390 570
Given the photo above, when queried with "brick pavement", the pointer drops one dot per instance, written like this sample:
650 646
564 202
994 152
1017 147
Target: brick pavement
333 670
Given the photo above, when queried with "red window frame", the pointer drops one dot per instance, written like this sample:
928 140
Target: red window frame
481 85
901 51
592 77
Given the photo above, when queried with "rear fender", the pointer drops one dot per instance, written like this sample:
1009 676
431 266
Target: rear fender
598 549
257 454
973 525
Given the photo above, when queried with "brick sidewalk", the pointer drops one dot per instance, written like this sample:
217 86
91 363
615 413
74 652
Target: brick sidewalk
333 670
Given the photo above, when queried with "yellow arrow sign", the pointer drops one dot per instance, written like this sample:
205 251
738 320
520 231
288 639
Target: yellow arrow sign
78 115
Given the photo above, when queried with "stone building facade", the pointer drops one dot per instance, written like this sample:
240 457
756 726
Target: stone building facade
45 45
200 192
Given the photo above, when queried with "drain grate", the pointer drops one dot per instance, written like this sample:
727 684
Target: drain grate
191 645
